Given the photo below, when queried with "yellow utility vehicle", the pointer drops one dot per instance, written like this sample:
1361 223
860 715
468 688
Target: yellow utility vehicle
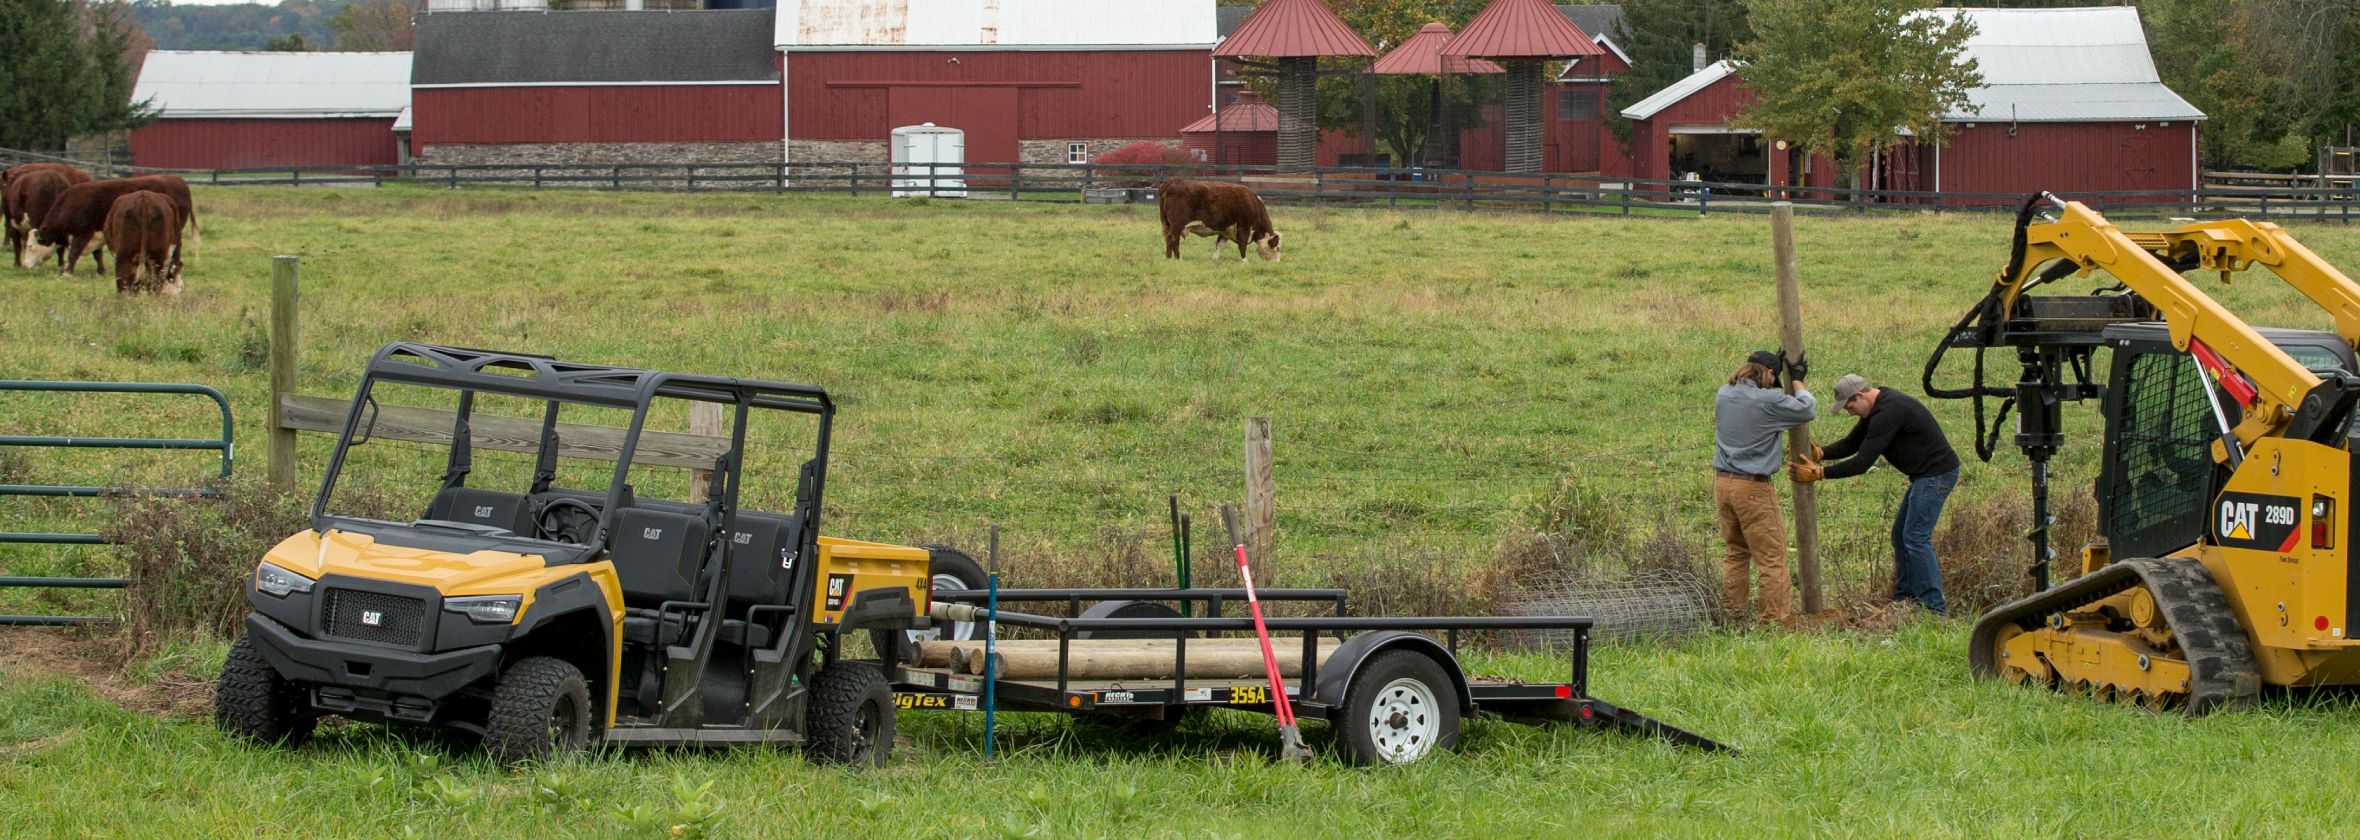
2225 555
545 618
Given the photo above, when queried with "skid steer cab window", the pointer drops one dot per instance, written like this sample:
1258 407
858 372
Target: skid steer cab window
2161 468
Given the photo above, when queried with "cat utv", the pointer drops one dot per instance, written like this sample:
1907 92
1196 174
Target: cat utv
544 618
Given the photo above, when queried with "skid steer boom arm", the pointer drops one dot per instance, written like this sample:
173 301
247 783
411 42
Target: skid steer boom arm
2054 335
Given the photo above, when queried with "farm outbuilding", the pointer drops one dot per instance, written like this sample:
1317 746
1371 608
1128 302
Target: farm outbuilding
2070 102
1038 81
227 110
596 87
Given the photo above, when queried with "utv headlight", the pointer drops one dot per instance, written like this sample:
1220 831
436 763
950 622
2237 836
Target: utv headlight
485 609
277 582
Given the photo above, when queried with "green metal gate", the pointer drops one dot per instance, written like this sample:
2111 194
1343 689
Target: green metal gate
225 445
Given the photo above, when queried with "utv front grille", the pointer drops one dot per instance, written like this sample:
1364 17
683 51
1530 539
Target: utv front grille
375 617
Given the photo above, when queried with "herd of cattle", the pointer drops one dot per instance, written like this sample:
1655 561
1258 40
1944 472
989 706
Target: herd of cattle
56 209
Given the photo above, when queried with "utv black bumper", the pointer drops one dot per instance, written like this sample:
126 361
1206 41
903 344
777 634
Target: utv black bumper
371 667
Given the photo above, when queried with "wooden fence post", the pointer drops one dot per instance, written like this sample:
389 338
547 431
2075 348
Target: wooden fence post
282 371
1798 439
704 418
1261 515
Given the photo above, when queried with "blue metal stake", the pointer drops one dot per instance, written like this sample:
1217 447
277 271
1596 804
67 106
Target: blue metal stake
991 633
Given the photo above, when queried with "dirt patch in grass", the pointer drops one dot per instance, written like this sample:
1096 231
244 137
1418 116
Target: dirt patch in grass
27 652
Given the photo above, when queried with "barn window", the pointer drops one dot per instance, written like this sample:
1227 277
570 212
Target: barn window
1577 104
1077 153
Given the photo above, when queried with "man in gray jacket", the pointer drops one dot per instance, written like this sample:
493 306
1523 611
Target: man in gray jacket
1750 417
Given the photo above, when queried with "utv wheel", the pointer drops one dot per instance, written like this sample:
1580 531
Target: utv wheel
540 710
1400 708
253 702
851 716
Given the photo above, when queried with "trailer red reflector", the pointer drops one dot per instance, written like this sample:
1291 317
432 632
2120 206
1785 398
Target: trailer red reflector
1588 713
2320 623
1564 692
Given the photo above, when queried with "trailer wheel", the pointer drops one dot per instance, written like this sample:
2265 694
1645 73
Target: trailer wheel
253 702
851 719
1400 708
540 710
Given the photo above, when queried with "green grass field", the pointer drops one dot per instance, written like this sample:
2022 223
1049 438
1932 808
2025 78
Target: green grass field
1440 384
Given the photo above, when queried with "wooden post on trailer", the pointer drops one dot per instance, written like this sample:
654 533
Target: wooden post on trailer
1261 514
1798 439
704 418
281 471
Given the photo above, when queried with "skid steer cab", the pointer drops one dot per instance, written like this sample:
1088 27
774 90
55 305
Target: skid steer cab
542 555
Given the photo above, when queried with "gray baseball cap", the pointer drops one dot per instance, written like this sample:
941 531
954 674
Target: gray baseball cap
1848 387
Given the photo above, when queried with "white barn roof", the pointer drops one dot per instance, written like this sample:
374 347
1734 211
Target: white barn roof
995 24
275 84
2065 65
1682 89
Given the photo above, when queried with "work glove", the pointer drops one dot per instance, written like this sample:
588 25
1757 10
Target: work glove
1805 472
1818 453
1798 367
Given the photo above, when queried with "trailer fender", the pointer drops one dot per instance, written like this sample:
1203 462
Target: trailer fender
1336 676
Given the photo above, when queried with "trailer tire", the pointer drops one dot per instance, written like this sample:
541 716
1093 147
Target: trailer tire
1401 707
540 710
253 702
851 719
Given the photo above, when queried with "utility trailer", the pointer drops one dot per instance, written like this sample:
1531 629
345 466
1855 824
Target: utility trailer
1393 693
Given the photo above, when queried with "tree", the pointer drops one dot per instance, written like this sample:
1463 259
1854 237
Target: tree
376 26
1404 115
65 75
1660 36
1843 78
293 42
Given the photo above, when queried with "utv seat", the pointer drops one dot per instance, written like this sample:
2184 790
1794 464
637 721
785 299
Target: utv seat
761 545
656 556
506 511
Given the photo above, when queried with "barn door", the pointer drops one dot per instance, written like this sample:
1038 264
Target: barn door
986 114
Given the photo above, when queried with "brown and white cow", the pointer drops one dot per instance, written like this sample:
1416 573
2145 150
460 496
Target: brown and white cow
76 220
28 197
144 231
1228 212
11 211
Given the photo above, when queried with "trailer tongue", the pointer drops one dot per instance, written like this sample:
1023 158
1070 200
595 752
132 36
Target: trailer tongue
1393 693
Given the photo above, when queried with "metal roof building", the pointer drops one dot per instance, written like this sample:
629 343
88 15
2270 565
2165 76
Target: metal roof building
219 110
2070 102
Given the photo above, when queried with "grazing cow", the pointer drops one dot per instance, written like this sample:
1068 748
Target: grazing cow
8 207
1228 212
28 197
79 215
144 232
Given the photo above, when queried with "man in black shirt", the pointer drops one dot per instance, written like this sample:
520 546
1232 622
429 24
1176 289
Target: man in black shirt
1898 428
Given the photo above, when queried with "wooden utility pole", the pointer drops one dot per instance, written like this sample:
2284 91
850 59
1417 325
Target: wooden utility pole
704 418
1261 514
281 471
1798 439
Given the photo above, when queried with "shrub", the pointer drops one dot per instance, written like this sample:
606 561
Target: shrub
1146 153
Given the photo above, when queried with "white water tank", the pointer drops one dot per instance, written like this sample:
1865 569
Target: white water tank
929 160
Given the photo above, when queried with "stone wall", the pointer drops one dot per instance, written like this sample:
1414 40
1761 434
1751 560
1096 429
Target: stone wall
1053 151
839 151
591 153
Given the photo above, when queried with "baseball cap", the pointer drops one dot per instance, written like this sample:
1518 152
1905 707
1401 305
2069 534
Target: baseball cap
1766 359
1848 387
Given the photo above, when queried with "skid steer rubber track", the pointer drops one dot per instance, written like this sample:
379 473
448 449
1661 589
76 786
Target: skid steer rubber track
2204 628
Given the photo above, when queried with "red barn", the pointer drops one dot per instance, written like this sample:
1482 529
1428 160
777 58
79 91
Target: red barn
2102 121
1038 81
227 110
596 87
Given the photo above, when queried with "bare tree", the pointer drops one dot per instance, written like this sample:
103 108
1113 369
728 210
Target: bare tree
376 26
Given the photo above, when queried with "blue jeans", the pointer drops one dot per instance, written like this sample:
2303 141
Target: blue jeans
1917 576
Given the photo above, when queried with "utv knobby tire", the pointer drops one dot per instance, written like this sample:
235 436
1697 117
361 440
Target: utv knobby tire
540 710
251 700
1400 708
851 719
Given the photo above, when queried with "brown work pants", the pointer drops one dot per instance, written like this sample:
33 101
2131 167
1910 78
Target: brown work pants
1756 534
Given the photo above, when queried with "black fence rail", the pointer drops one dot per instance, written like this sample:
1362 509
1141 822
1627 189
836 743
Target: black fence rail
1398 189
225 445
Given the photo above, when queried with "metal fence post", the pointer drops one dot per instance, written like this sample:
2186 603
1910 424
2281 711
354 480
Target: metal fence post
692 176
1470 176
536 176
1015 181
283 284
1319 186
1545 206
454 176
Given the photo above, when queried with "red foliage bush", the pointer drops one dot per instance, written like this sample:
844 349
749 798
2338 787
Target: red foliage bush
1146 153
